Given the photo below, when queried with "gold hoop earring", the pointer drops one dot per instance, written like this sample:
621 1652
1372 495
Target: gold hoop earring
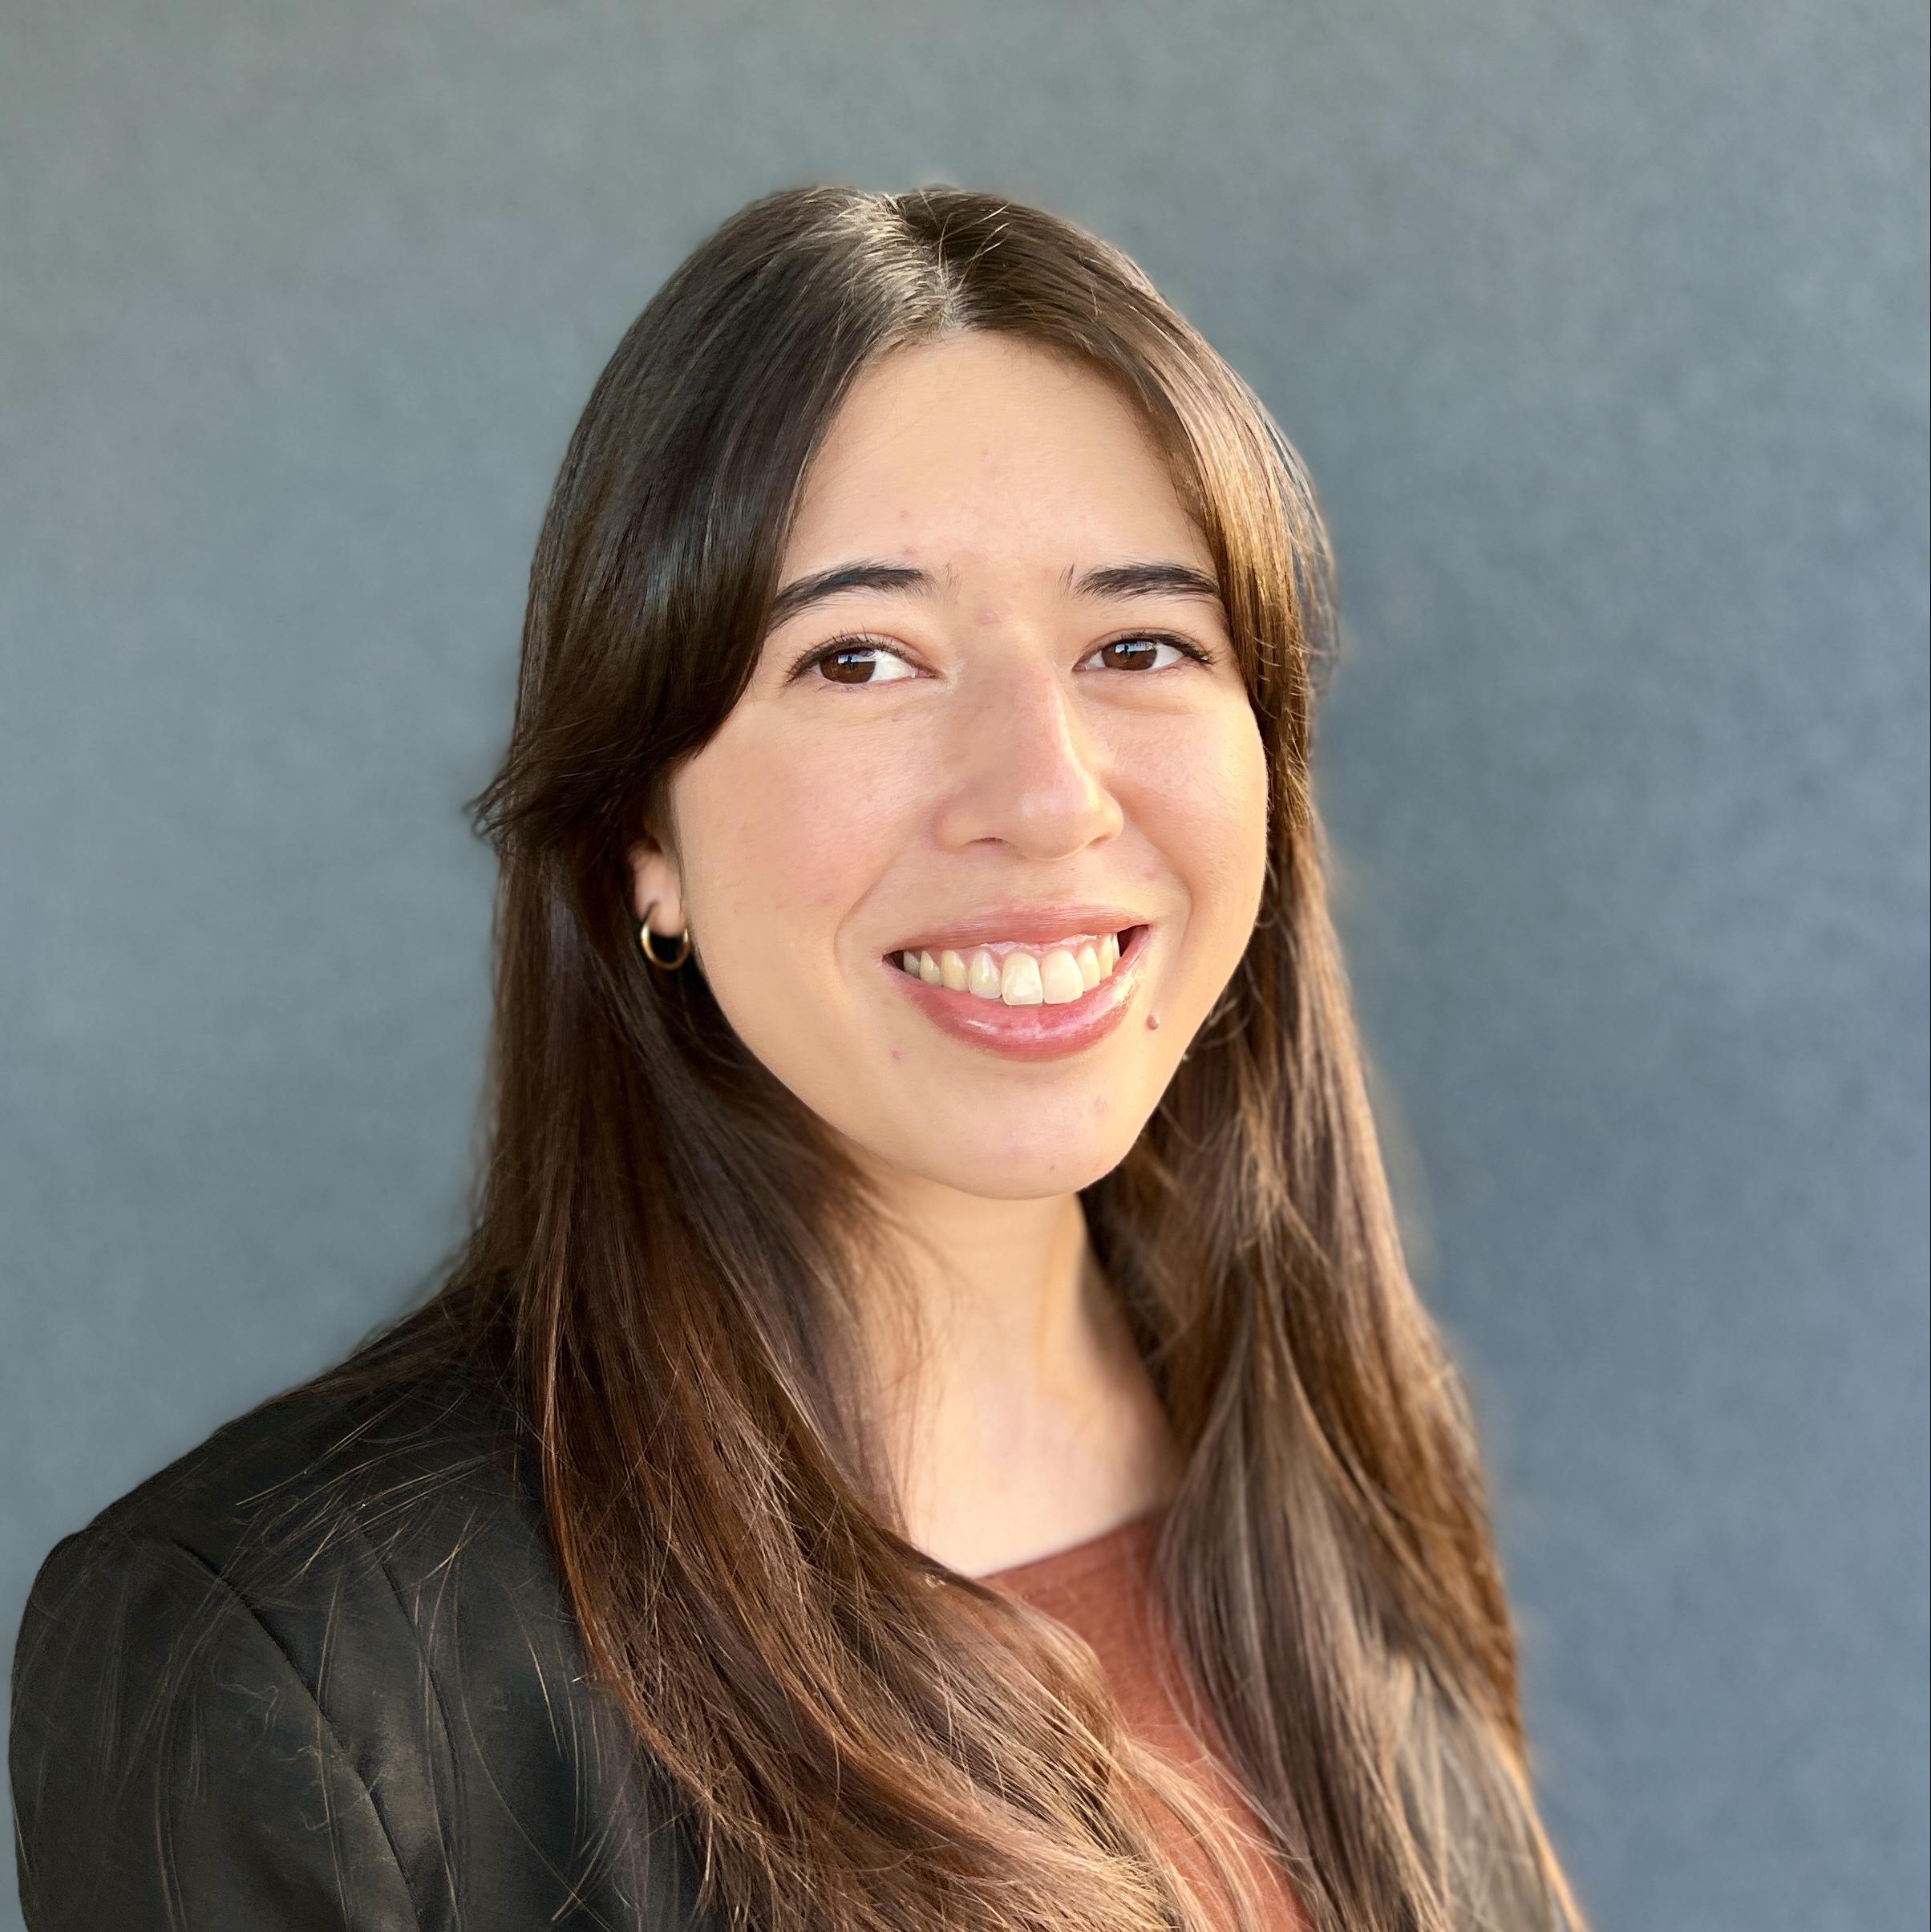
644 937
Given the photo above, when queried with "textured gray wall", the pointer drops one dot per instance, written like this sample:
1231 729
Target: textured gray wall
1603 330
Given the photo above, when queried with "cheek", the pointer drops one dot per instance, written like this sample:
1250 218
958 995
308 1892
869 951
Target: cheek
1206 805
780 845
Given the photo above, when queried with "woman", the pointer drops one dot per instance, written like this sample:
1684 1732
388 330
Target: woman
930 1427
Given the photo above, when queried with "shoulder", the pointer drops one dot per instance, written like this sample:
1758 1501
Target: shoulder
320 1514
300 1473
326 1649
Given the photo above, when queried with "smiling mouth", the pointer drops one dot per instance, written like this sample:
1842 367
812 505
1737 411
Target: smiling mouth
1011 973
1033 1026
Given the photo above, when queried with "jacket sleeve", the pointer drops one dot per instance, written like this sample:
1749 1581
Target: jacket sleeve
172 1771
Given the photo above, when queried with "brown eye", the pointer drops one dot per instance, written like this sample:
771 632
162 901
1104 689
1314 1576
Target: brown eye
1137 653
851 665
851 662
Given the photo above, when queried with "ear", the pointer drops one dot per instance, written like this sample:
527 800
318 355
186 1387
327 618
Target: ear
652 878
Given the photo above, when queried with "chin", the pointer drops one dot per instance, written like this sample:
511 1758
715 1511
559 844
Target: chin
1004 1173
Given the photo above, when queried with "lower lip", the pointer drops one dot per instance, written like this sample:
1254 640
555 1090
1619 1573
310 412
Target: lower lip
1032 1033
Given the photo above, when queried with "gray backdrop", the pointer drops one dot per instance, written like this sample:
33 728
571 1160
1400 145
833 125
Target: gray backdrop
1602 328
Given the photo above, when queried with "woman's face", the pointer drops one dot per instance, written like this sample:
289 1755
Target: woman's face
1007 755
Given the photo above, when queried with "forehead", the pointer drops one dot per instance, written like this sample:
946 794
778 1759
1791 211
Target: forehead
980 454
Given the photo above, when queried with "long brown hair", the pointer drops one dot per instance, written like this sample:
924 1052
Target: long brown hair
665 1242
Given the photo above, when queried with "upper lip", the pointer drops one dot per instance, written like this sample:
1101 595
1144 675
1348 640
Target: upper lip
1032 925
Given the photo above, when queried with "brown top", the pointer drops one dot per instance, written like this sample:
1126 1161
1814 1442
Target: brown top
1103 1590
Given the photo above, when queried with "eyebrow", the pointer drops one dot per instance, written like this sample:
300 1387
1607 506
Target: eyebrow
1108 581
1143 580
806 591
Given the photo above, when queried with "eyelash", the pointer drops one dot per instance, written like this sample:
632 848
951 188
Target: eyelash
857 640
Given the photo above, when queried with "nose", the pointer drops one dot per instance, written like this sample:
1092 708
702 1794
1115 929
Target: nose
1027 769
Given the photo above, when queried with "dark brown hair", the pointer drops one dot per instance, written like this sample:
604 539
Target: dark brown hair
665 1241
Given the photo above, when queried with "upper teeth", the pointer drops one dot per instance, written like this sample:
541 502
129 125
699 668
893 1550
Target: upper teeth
1017 975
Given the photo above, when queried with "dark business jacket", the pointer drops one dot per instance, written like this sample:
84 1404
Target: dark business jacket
319 1673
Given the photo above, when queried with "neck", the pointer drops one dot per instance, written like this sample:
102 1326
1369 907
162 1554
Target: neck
1018 1415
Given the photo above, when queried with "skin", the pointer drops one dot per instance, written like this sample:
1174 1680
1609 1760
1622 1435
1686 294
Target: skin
999 756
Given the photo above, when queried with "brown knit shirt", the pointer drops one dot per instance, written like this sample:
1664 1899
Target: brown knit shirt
1103 1590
